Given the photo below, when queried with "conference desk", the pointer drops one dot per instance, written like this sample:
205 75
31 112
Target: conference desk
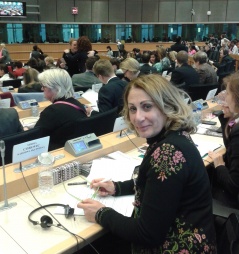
42 105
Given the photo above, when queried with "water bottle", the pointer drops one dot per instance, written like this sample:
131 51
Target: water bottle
45 173
199 115
195 116
34 108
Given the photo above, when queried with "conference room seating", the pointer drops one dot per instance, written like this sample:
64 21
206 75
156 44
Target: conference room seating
28 96
225 70
7 95
200 91
100 124
16 83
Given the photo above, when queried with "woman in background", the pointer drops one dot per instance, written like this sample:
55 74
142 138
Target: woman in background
226 172
31 82
84 48
164 62
4 54
173 205
109 51
5 74
130 68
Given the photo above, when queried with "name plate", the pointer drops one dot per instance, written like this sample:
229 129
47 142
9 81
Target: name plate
30 149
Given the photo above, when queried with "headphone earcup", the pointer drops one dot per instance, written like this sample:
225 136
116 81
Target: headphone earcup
46 221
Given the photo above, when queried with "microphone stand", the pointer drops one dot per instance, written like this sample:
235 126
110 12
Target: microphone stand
6 204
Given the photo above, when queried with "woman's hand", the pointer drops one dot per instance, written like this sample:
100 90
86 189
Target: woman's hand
217 159
66 51
90 208
104 188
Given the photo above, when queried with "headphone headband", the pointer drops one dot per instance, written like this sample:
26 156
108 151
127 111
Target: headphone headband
46 221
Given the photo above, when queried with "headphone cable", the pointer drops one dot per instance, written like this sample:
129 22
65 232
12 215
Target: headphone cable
60 226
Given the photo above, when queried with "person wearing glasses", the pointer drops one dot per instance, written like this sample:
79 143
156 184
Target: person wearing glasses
65 109
130 68
173 204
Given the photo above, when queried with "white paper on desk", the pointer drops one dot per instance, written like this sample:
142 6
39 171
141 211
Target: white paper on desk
204 147
29 121
122 204
211 94
210 130
91 96
5 103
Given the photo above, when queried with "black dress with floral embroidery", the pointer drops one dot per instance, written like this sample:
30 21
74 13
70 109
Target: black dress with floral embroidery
173 203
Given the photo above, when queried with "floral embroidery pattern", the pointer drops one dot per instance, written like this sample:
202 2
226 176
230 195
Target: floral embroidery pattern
167 160
185 240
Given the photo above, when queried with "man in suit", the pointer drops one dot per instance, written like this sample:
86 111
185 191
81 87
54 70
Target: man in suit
111 93
178 46
146 68
184 73
10 123
87 78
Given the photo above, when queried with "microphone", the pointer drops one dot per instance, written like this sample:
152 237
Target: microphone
2 148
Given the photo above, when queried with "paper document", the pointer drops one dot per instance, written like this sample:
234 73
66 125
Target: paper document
204 147
29 122
210 130
116 166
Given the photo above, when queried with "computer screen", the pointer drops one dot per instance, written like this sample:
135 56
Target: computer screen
12 9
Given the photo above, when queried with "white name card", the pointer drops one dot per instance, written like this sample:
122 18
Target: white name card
30 149
5 103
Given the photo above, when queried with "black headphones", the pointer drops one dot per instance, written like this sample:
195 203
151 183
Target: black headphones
46 221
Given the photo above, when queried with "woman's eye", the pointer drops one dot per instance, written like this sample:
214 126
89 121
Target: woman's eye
132 109
147 106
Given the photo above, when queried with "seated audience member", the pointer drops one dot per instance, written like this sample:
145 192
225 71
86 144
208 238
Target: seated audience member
19 70
153 58
111 93
87 78
33 63
31 82
130 68
173 204
57 87
178 46
192 50
184 73
5 74
146 68
10 123
130 54
137 54
109 51
225 58
207 74
163 61
233 48
50 62
226 167
208 50
172 56
116 65
4 55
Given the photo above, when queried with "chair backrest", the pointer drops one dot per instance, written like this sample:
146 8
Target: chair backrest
14 82
99 124
28 96
6 96
200 91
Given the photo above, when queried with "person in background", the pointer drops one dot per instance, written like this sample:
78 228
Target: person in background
145 67
18 70
50 63
130 68
111 93
173 213
87 78
10 123
5 74
233 47
207 74
31 82
4 54
84 47
178 46
71 65
163 61
109 51
184 73
36 52
153 58
226 167
192 50
58 89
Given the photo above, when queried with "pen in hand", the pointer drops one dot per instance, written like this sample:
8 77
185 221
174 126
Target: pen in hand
77 183
102 181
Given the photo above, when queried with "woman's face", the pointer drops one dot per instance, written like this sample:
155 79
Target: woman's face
49 94
147 119
73 46
230 101
152 59
2 73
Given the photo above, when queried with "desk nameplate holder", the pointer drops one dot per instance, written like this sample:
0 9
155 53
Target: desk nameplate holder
35 164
